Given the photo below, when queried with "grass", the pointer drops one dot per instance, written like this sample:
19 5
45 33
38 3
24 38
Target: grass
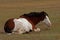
15 8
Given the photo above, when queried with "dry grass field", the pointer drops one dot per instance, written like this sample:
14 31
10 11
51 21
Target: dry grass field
15 8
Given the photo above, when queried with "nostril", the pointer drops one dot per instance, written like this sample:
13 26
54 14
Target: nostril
49 24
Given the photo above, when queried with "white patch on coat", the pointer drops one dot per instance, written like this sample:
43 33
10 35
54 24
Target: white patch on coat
47 21
22 25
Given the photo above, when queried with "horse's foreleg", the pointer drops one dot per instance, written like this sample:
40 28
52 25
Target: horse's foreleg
37 30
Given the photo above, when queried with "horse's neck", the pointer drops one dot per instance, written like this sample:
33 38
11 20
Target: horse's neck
35 20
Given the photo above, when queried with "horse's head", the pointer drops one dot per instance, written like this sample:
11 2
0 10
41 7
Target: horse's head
46 19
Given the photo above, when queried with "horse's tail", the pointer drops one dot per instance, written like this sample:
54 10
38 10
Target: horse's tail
7 29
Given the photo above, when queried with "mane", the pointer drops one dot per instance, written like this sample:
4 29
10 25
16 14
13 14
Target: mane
36 14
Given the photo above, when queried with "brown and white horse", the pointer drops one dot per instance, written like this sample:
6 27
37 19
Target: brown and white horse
26 23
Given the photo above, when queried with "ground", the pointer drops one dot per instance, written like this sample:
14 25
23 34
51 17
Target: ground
15 8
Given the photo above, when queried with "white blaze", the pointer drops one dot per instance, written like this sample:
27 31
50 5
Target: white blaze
47 21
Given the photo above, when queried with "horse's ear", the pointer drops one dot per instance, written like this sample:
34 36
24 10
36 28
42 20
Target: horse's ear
44 13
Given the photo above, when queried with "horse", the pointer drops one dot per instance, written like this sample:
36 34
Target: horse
26 22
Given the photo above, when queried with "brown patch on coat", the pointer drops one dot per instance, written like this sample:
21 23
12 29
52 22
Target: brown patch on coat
9 26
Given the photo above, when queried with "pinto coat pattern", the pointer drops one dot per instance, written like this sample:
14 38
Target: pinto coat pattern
26 22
